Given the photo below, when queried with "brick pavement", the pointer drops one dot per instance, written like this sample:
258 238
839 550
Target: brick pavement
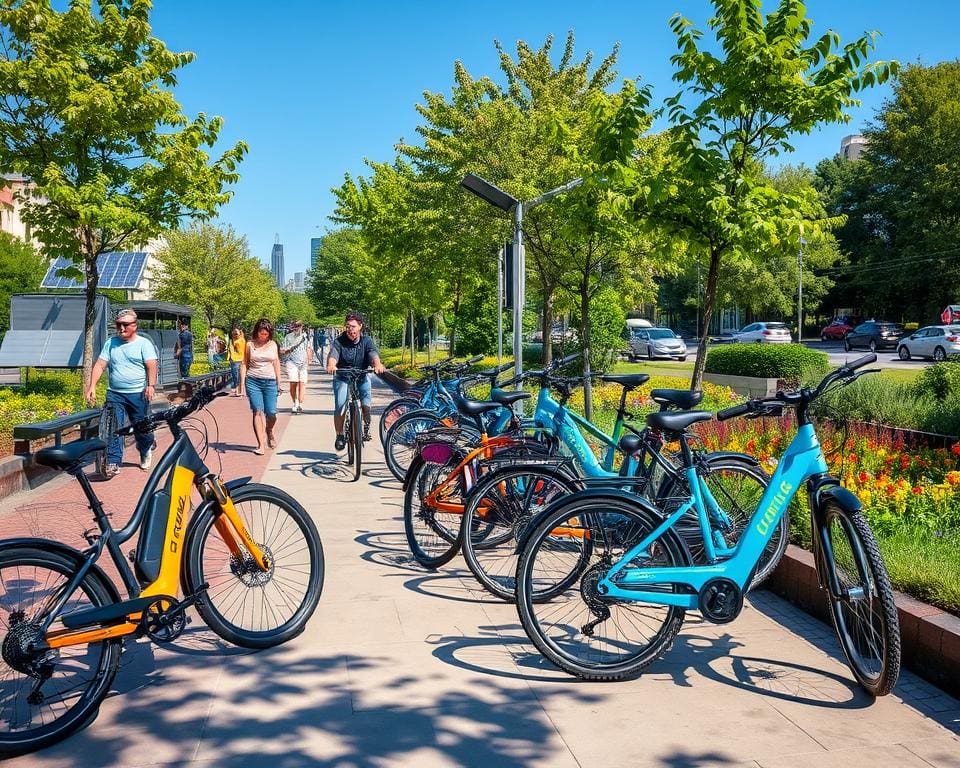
404 667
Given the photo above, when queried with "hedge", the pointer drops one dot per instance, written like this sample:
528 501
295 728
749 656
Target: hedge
788 362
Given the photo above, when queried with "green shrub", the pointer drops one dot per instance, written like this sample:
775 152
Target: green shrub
878 399
791 363
940 381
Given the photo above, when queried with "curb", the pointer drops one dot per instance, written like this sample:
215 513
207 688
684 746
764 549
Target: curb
930 636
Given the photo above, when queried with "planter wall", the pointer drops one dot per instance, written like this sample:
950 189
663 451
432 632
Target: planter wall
748 386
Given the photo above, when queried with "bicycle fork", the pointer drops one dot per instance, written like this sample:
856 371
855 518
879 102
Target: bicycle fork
230 526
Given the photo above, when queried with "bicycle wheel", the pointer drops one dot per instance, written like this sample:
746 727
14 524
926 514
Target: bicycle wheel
107 426
584 633
737 486
865 615
31 578
348 434
400 447
394 411
433 535
244 605
356 439
497 516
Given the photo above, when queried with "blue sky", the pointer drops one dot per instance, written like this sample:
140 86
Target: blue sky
314 87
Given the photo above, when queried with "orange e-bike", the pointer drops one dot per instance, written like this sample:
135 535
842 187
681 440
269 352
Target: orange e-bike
249 559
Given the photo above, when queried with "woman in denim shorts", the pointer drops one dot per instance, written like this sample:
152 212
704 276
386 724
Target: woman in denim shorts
260 379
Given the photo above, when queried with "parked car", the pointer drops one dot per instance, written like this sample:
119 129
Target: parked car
657 342
764 333
935 341
837 330
874 335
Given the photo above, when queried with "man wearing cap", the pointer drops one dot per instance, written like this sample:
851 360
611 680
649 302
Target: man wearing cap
296 354
131 364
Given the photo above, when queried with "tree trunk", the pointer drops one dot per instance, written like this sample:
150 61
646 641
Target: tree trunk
91 282
585 336
547 329
708 299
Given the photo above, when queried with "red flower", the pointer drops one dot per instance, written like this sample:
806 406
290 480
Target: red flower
917 490
862 477
853 458
955 449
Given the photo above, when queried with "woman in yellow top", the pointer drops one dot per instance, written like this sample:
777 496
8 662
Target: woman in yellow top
235 350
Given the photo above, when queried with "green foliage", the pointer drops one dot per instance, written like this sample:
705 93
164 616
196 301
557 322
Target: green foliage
342 278
762 82
877 399
607 321
21 270
297 306
477 324
789 362
940 381
210 268
89 115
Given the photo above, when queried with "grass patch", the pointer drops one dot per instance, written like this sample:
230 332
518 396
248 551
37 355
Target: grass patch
925 567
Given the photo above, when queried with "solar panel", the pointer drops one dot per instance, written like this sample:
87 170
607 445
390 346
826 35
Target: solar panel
117 269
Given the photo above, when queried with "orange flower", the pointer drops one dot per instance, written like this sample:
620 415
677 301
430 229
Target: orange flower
853 458
863 477
917 490
955 449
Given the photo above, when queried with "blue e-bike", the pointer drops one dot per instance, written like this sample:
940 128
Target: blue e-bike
604 579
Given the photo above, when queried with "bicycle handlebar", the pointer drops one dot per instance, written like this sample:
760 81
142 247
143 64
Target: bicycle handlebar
173 415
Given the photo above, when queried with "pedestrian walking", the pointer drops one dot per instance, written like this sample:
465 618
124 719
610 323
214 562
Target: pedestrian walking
296 354
320 342
235 351
183 350
216 346
260 379
131 364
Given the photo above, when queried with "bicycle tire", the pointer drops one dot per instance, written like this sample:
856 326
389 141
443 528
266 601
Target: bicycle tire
558 627
496 517
293 596
868 630
105 431
400 446
394 411
739 501
348 434
432 535
356 439
94 591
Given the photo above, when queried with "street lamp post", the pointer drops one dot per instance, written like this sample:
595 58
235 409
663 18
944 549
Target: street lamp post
505 202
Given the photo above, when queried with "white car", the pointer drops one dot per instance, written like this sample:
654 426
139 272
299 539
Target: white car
657 342
764 333
936 341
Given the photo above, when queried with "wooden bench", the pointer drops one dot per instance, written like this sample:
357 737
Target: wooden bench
218 379
88 422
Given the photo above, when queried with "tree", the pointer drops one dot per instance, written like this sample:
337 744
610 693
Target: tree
21 270
766 82
210 268
88 113
298 307
338 281
903 198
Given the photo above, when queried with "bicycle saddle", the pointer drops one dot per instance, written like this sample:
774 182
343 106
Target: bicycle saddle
629 443
676 421
475 407
507 398
684 399
626 380
67 455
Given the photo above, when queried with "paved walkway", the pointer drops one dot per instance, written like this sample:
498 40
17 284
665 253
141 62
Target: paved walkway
403 667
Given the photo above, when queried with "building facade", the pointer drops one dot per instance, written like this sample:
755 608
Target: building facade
314 251
851 147
276 264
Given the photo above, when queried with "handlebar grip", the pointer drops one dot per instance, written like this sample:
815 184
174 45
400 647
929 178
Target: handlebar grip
868 358
566 361
503 368
734 411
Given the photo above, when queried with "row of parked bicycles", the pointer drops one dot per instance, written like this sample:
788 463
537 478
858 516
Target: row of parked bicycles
604 551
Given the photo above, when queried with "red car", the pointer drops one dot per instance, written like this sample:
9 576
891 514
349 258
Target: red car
836 331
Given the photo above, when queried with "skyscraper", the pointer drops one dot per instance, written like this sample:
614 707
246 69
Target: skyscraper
314 251
276 262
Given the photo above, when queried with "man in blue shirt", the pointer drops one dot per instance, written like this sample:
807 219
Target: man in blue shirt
184 349
131 363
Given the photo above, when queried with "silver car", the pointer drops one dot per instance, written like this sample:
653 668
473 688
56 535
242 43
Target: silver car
657 342
936 341
764 333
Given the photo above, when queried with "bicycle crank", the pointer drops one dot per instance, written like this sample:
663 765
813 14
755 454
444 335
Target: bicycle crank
721 600
163 620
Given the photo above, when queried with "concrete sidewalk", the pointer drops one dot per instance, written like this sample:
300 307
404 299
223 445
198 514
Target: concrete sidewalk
404 667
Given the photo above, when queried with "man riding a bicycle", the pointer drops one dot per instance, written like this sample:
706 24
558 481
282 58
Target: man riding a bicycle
352 349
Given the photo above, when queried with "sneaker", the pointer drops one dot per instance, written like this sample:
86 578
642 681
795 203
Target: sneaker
340 443
296 407
113 470
146 461
366 433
